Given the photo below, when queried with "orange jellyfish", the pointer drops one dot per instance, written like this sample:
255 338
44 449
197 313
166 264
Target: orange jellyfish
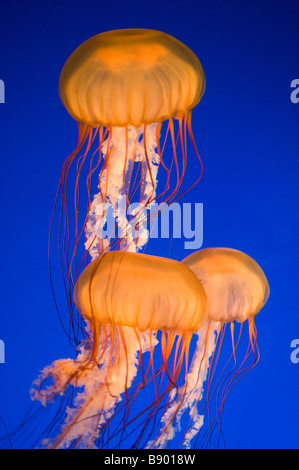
132 302
121 87
236 289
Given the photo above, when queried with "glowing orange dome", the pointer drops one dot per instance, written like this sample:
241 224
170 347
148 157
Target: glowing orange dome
235 284
131 77
142 291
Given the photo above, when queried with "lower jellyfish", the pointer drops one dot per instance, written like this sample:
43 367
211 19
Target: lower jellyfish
237 289
130 302
143 313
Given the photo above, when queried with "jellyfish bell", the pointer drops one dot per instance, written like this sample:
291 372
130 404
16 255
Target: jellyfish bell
131 77
141 291
235 284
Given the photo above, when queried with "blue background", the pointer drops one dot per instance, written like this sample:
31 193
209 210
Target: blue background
246 128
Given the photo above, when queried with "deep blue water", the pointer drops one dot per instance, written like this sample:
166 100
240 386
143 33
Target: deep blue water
246 129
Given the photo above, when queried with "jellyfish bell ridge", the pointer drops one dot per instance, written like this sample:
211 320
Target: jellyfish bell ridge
141 291
236 286
131 77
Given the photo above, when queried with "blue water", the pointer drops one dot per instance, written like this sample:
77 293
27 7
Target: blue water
246 129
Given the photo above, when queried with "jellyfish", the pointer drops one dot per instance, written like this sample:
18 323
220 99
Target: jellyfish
236 289
131 302
132 93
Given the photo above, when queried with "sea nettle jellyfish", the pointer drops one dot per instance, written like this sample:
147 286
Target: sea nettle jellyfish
132 93
237 289
138 376
131 301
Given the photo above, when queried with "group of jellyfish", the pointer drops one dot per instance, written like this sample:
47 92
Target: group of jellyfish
148 330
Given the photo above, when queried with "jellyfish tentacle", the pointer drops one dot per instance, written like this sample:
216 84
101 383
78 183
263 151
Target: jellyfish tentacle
190 394
121 150
103 385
